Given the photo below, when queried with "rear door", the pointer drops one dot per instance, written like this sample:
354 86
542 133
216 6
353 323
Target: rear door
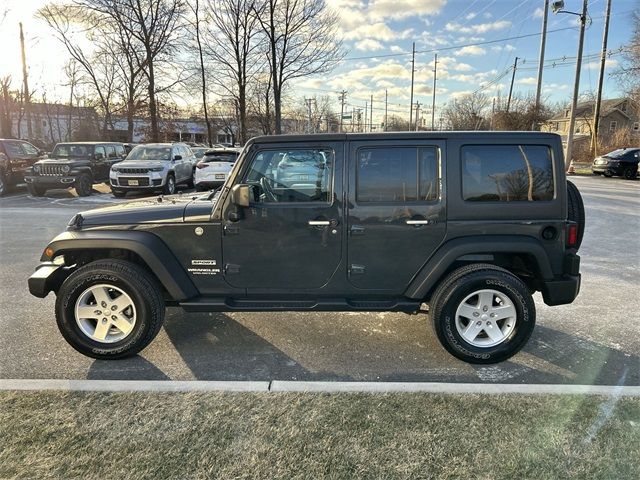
396 211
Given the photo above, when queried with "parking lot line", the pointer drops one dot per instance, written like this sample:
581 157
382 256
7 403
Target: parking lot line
315 387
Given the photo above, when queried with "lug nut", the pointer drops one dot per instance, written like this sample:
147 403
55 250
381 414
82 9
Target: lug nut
476 314
113 317
104 304
492 315
485 308
113 307
104 320
479 323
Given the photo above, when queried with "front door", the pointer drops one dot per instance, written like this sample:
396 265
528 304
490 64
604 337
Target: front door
396 213
290 237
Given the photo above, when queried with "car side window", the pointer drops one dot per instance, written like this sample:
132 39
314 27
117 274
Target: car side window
13 148
99 151
120 151
30 149
111 151
507 173
397 174
292 175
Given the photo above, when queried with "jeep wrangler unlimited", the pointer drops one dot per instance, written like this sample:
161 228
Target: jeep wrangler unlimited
469 223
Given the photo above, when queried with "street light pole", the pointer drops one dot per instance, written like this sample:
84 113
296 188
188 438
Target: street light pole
576 87
543 41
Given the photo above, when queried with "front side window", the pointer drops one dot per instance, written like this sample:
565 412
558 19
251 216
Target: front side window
111 151
397 174
30 149
292 175
13 148
70 150
99 151
506 173
119 151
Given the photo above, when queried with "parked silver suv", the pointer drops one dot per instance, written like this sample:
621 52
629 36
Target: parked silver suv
153 166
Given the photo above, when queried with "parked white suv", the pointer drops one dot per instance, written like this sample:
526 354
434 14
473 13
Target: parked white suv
213 170
153 166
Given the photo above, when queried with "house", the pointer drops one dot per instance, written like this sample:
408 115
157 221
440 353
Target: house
615 114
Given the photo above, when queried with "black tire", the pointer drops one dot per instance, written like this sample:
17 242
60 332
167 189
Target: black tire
84 185
36 190
141 287
190 183
607 174
118 193
201 188
170 185
465 281
4 186
596 173
575 210
630 173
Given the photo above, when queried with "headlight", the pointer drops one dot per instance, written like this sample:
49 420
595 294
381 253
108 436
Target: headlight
156 169
36 168
66 169
114 169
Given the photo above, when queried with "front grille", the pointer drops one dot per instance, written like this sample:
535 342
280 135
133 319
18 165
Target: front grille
132 170
51 170
142 181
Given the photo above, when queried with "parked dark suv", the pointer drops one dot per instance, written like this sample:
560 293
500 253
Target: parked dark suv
78 164
470 223
16 156
622 162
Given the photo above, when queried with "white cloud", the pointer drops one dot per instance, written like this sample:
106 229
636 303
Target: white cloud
609 63
538 13
379 30
369 45
461 94
478 27
527 81
470 16
507 48
397 9
471 50
384 84
396 49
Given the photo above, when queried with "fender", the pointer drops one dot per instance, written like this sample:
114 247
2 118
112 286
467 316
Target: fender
450 251
150 248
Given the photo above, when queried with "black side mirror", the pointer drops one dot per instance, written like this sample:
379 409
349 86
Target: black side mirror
178 157
241 195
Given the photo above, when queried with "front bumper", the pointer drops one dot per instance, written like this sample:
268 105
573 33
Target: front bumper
51 181
608 169
47 277
144 182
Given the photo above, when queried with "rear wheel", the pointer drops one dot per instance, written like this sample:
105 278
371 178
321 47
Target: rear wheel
84 185
35 190
482 314
3 184
575 210
109 309
170 185
630 173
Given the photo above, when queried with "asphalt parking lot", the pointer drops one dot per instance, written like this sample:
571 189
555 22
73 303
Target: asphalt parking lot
596 340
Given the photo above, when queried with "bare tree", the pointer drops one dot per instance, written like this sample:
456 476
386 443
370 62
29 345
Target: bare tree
259 104
628 74
302 39
522 113
467 112
6 103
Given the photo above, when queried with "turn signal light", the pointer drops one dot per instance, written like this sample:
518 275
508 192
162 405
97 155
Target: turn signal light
49 252
572 235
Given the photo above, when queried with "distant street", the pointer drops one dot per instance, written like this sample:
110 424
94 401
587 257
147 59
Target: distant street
596 340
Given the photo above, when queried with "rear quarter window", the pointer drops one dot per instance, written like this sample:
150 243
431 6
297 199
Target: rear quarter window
507 173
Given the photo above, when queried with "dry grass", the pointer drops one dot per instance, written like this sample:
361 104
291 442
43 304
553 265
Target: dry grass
103 436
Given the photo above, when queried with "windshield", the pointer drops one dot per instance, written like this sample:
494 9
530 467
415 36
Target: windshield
143 152
617 153
66 150
198 151
220 157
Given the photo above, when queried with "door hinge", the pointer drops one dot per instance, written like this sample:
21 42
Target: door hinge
356 269
231 230
231 268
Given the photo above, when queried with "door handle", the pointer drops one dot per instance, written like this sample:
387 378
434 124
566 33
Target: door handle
419 222
319 223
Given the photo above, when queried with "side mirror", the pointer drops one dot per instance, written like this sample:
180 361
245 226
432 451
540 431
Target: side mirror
241 195
178 157
99 156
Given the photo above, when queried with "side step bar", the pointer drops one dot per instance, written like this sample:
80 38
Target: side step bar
220 304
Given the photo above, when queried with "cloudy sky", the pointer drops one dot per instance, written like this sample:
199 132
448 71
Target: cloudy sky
476 42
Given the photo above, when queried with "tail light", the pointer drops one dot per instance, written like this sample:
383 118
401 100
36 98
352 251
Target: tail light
572 235
202 165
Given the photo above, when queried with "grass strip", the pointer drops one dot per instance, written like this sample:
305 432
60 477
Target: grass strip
272 436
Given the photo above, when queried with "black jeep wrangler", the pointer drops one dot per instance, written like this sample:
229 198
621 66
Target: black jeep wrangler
76 164
471 224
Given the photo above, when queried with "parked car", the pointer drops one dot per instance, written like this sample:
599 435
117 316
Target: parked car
153 167
74 164
16 156
622 162
214 168
471 223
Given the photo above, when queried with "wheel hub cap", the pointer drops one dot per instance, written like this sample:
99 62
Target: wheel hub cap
486 318
105 313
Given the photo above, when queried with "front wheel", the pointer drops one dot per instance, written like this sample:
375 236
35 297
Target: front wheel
35 190
482 314
109 309
170 185
84 185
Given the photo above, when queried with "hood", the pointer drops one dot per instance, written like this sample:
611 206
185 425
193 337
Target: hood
142 164
171 209
63 161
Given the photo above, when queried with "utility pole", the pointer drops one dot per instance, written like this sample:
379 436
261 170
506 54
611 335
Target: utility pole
371 115
603 57
413 63
493 112
576 87
543 41
417 115
513 77
433 101
366 112
343 98
386 100
27 97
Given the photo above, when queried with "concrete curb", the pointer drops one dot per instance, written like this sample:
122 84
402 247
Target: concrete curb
314 387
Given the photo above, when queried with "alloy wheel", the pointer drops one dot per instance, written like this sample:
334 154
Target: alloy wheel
105 313
486 318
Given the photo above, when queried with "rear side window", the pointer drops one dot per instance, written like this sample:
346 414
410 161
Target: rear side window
507 173
397 174
111 151
13 148
120 151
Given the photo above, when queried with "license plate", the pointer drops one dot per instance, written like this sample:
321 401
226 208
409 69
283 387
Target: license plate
219 176
303 177
133 183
